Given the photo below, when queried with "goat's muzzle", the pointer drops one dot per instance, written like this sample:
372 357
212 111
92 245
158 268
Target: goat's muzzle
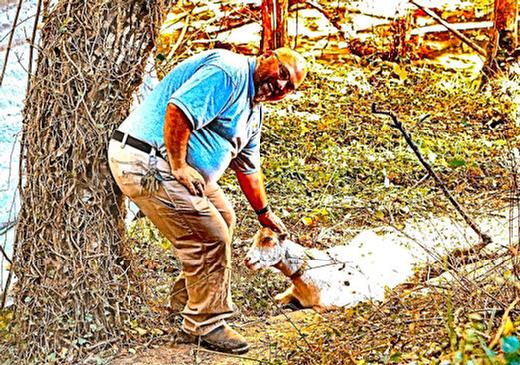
250 265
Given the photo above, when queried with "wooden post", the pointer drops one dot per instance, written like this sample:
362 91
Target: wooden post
505 31
274 24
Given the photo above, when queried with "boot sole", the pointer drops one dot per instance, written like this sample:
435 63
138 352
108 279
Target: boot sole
237 351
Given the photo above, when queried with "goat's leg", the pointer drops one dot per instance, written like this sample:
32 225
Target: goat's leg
322 309
286 297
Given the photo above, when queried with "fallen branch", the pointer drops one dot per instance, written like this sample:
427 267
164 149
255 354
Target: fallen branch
458 26
314 5
6 289
458 257
5 226
505 317
484 238
448 26
302 4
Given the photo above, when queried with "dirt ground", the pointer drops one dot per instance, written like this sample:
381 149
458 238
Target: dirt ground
258 334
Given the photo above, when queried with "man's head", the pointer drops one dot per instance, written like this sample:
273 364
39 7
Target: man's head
277 74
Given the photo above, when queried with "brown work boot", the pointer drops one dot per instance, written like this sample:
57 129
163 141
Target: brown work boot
225 339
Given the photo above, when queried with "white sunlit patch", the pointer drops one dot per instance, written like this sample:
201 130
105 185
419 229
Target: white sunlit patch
387 8
294 96
357 78
510 85
248 33
466 62
515 68
311 117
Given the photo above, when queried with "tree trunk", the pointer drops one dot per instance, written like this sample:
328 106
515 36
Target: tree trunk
72 290
505 31
274 24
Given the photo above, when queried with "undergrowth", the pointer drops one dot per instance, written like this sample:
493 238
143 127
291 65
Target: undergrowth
333 168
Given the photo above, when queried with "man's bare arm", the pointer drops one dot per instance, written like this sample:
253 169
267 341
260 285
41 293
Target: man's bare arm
252 185
176 136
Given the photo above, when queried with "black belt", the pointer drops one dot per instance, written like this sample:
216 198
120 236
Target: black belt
136 143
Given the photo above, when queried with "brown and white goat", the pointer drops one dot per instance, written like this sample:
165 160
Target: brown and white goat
324 280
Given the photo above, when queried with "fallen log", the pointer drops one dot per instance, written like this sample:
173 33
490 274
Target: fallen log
448 26
458 26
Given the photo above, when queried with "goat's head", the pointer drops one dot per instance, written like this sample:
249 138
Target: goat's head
266 250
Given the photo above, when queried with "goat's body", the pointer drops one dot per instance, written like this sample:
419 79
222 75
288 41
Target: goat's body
342 275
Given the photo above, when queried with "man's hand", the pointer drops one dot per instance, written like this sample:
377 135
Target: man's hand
271 220
176 136
191 179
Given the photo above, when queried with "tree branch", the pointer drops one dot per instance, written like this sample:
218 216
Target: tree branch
448 26
484 238
10 42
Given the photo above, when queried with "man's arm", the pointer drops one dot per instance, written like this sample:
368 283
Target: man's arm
176 136
252 186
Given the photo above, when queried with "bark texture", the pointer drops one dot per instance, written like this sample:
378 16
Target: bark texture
504 36
72 294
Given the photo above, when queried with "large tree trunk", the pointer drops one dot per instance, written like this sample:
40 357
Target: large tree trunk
274 24
72 289
505 30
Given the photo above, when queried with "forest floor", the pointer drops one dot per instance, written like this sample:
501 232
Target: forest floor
333 169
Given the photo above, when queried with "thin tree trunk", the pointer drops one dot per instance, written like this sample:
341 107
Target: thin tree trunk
505 31
73 285
274 24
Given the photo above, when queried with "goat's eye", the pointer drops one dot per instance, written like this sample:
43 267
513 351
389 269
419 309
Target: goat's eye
268 239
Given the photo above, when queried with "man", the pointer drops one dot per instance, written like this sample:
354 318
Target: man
168 155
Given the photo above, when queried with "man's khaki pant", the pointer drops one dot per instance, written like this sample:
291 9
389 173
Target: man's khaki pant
200 229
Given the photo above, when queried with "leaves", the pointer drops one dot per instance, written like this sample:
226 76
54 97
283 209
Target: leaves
456 162
511 348
510 345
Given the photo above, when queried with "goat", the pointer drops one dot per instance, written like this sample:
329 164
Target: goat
336 277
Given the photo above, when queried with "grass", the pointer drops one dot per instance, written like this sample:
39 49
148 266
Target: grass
333 168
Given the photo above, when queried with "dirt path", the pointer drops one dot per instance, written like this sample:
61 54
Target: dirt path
260 334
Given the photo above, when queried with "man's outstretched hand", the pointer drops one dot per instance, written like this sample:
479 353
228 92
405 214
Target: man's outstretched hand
271 220
191 179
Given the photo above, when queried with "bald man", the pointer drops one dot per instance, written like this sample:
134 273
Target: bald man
168 155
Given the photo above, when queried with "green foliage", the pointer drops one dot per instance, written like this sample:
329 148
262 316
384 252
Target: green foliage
511 349
6 316
328 160
473 349
331 166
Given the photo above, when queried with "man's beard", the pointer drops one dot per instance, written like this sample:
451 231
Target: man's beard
263 91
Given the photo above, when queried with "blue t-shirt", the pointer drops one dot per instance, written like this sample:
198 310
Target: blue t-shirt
215 90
